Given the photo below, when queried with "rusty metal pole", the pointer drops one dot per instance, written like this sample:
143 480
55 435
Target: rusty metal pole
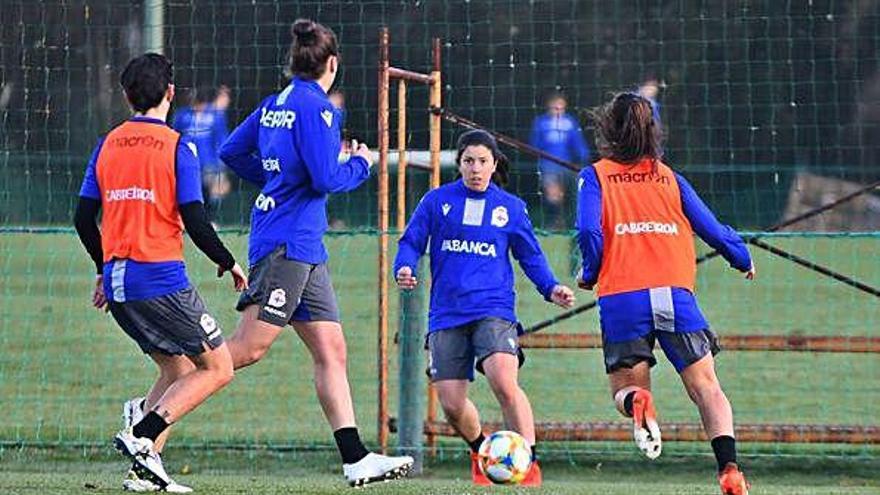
383 240
401 155
435 120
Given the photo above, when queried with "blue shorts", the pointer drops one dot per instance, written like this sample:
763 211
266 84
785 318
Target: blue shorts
632 321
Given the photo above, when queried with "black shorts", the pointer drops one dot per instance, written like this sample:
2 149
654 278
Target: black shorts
452 352
681 348
173 324
288 290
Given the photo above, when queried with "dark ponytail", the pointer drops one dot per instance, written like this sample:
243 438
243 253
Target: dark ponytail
310 48
626 131
479 137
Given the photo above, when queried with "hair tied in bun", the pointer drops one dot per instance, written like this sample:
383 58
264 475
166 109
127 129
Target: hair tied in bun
305 32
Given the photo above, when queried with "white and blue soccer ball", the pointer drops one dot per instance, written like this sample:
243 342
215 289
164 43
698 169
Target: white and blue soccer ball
505 458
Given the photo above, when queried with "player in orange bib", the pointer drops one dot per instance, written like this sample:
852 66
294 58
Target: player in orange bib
145 181
636 221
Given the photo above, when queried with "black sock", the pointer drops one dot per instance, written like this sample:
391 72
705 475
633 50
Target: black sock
475 443
150 427
628 403
534 452
725 450
350 446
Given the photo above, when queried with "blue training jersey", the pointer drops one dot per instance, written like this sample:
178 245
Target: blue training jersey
563 138
143 280
289 146
627 309
469 235
207 129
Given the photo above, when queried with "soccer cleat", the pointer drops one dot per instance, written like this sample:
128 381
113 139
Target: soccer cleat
646 431
478 477
132 412
533 477
376 467
732 481
134 483
146 462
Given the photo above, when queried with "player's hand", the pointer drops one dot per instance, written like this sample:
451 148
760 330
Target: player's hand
405 278
239 279
361 150
581 283
751 273
562 296
99 299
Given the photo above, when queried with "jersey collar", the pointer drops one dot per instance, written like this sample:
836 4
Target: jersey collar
148 120
310 84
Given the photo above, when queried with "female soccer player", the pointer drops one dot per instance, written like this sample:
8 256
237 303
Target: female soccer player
636 220
147 181
289 147
472 225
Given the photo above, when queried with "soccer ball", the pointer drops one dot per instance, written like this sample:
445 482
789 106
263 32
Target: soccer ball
505 458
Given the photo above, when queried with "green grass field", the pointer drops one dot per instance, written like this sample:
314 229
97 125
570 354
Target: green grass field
223 472
66 369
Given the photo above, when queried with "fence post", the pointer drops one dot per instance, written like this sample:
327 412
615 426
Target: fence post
411 342
154 26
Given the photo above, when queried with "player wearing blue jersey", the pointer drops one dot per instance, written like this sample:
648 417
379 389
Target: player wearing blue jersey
145 181
559 133
471 227
289 147
204 124
636 221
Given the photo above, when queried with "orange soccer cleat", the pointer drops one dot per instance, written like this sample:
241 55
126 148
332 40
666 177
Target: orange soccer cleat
732 481
646 431
477 475
533 477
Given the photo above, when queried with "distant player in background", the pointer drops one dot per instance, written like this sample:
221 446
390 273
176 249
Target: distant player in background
650 90
636 220
473 226
204 124
559 134
289 147
145 178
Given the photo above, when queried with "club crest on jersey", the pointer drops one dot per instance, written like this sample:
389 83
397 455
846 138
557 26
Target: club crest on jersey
499 216
327 115
277 298
446 207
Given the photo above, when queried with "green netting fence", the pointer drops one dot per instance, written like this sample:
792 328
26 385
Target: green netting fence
770 109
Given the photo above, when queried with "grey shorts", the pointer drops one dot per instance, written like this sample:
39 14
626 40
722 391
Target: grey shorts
177 323
682 349
288 290
452 352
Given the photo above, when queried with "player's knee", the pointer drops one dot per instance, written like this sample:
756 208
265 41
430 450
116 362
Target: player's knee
507 394
704 391
331 357
453 407
248 356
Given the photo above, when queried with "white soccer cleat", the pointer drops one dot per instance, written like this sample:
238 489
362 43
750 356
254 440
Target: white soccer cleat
132 413
134 483
376 467
646 431
147 463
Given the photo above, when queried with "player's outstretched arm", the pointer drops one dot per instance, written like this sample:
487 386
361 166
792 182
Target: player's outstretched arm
527 251
589 228
238 151
318 144
203 235
85 221
412 245
720 237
